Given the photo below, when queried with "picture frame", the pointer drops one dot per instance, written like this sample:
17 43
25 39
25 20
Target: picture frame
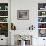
23 14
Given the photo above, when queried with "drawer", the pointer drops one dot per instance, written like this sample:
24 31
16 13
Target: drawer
3 41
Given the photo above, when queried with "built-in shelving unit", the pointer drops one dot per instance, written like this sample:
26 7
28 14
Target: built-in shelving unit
42 19
4 19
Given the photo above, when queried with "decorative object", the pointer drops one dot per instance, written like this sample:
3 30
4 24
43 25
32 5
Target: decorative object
42 32
31 27
13 27
43 13
6 7
23 14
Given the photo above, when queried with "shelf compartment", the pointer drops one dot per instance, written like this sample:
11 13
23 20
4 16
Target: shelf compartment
41 13
3 13
4 29
3 26
3 6
3 19
4 32
41 19
42 32
41 6
41 25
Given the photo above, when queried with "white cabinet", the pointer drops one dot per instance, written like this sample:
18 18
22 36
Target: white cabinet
4 21
42 24
3 40
41 41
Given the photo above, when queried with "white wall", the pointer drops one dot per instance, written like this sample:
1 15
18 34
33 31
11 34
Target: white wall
3 1
32 6
24 5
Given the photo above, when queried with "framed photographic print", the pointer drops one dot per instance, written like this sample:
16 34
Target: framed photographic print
23 14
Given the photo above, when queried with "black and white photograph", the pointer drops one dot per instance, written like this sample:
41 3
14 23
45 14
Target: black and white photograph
23 14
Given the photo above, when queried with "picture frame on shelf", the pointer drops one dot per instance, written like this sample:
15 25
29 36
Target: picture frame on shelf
23 14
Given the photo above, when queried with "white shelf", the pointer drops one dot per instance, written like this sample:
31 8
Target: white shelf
3 22
41 22
41 10
3 10
3 16
42 16
41 28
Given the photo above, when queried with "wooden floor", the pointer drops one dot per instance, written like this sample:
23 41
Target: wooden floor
3 45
